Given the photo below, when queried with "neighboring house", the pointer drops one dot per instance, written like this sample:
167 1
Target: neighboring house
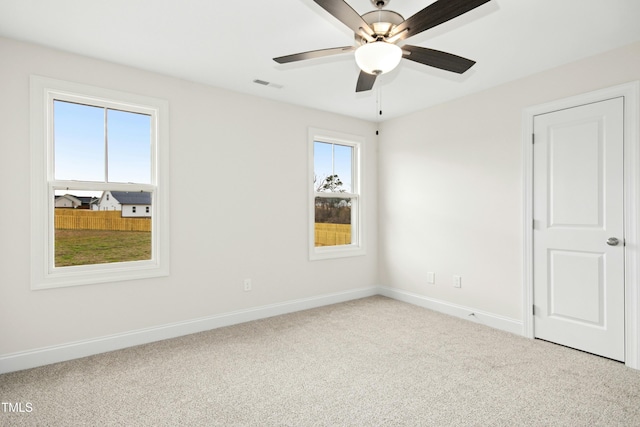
76 202
132 204
87 202
67 201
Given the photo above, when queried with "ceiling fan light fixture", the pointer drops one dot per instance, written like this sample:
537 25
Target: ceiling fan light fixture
378 57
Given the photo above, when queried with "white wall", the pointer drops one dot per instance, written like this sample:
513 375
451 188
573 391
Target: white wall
109 203
141 211
226 224
450 186
63 202
448 182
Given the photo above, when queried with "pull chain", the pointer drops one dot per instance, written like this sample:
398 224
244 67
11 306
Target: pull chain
378 103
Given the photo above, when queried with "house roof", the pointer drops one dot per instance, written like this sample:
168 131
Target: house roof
86 200
70 197
132 197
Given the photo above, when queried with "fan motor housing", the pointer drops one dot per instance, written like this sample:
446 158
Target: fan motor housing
381 21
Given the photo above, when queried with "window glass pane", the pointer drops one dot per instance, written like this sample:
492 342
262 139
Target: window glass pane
332 221
322 162
332 167
342 165
78 142
93 229
129 141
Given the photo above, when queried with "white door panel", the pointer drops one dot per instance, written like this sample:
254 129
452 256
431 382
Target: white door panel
572 276
575 174
578 205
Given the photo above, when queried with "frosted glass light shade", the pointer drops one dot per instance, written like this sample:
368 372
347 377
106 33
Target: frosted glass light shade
378 57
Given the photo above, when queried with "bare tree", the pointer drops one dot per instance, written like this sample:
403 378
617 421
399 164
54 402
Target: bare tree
331 210
329 184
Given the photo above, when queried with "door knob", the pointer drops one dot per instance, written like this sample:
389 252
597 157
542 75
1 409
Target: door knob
612 241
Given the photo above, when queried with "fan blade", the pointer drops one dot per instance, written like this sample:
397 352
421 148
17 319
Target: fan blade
345 14
435 14
438 59
313 54
365 81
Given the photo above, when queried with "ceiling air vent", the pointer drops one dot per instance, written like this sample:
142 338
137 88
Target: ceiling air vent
265 83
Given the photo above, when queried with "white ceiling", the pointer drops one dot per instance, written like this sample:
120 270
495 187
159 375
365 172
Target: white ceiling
229 44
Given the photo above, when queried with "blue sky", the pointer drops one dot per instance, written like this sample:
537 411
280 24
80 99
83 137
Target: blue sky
333 159
79 138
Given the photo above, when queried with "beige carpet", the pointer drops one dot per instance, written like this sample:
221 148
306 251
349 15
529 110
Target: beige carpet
370 362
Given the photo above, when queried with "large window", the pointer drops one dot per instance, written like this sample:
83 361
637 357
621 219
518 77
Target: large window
97 155
336 201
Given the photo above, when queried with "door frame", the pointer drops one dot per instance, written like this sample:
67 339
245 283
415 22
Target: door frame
631 94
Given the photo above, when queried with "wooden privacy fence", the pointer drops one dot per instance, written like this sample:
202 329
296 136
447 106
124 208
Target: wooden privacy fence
84 219
332 234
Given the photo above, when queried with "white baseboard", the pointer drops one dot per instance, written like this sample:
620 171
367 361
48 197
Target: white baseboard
74 350
495 321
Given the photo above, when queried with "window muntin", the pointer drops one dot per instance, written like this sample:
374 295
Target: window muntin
123 140
94 143
333 160
336 217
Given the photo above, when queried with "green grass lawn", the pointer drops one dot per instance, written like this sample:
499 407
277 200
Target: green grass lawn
82 247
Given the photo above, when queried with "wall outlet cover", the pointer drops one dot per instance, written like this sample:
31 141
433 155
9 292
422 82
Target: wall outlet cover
457 281
431 277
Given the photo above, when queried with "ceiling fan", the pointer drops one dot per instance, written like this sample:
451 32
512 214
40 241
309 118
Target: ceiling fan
378 32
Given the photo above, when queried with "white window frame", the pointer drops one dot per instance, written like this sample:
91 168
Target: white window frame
357 247
44 274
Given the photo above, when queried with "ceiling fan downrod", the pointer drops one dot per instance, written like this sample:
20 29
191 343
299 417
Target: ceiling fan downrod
380 3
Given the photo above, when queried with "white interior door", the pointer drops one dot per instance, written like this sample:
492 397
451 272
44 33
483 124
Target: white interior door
578 268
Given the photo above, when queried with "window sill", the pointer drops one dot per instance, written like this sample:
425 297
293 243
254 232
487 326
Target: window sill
331 252
93 274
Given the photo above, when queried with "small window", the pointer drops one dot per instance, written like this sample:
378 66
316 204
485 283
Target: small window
95 144
133 209
336 205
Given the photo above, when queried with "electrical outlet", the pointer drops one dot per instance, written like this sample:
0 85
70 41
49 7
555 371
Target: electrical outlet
247 285
457 281
431 277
